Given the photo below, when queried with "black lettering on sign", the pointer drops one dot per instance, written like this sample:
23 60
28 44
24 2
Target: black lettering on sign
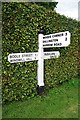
47 37
52 53
47 54
28 59
58 35
26 55
48 45
14 56
60 44
46 41
65 34
65 39
15 60
52 56
55 40
52 40
57 44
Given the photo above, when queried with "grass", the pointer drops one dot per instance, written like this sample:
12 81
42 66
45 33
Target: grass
59 102
0 112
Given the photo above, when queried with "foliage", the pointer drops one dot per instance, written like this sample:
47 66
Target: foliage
48 5
79 49
21 24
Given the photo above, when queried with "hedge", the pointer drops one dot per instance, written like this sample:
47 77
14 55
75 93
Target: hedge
21 23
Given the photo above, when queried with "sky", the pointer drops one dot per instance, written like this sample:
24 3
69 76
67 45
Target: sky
68 8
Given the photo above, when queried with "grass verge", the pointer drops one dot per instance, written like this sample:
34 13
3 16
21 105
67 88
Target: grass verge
59 102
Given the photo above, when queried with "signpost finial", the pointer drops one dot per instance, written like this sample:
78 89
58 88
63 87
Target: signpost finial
41 31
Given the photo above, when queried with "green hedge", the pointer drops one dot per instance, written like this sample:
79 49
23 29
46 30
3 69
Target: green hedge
21 24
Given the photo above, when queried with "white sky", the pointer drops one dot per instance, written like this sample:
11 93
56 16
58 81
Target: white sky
68 8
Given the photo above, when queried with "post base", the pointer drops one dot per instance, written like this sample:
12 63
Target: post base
40 90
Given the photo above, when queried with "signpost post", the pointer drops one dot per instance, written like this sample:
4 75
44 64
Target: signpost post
61 39
40 69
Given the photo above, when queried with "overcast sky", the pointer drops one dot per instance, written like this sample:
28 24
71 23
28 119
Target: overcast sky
68 8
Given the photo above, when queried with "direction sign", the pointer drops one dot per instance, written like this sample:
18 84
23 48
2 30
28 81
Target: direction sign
61 39
23 57
49 55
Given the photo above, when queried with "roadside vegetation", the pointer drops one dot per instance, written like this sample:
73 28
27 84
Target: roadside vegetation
59 102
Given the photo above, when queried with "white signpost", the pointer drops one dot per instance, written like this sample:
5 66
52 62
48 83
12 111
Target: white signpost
61 39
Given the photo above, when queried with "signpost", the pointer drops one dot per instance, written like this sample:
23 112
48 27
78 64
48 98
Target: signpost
61 39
